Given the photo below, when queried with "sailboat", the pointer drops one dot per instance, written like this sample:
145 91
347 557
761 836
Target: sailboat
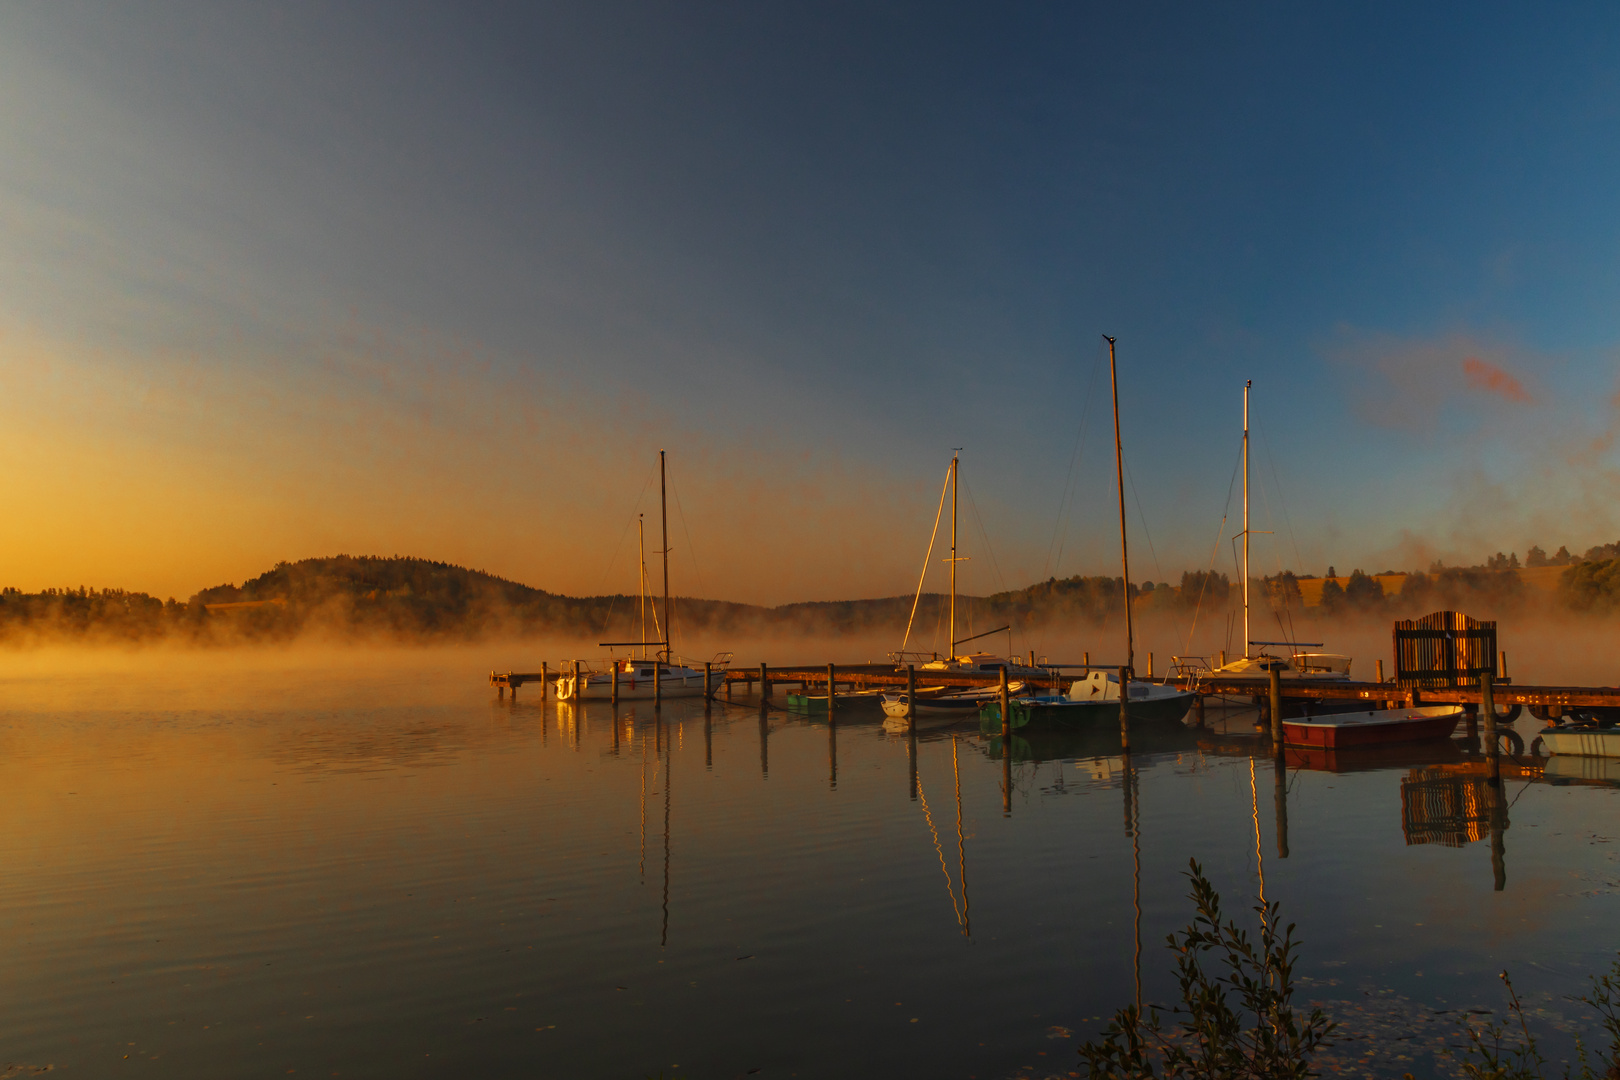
662 675
977 662
1095 699
1298 664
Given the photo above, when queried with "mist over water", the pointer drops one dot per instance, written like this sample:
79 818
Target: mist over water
359 861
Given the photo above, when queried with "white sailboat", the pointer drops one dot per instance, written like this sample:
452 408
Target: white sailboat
1296 664
954 662
664 675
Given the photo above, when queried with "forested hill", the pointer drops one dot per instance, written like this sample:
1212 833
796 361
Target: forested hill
407 599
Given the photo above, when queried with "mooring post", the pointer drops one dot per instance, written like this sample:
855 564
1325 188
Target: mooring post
1150 667
1085 658
1125 709
911 697
574 689
658 684
1380 670
1006 714
1223 658
615 682
832 680
1487 715
764 687
542 682
1276 706
1504 665
1198 702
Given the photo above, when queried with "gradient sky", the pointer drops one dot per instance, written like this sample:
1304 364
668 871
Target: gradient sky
281 280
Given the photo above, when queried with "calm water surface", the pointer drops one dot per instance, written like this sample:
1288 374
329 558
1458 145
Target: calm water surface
399 875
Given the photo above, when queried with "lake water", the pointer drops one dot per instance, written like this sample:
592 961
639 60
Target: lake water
391 873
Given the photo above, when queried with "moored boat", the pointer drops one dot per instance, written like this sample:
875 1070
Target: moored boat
847 699
963 704
1582 739
1373 728
1092 702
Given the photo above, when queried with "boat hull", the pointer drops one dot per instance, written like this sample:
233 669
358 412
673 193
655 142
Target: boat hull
1376 728
1582 742
599 687
1085 715
816 704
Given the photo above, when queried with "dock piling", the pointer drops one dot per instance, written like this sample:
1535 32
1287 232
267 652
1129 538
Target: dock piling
1150 667
542 683
658 684
832 680
1276 707
574 687
764 687
1487 711
911 697
1125 709
615 682
1006 745
1380 670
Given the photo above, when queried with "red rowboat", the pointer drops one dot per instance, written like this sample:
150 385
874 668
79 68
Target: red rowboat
1373 728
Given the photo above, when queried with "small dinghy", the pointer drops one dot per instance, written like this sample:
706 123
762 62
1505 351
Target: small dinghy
956 705
1378 727
1598 737
845 699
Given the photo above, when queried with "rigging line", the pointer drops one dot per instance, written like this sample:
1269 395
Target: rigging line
926 560
1281 502
950 887
974 506
602 581
691 549
1148 536
1215 550
1074 463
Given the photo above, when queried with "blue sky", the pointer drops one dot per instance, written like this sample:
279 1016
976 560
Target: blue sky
279 280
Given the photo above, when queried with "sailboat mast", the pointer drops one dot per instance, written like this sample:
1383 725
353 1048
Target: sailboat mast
663 513
1246 386
641 578
1124 553
954 468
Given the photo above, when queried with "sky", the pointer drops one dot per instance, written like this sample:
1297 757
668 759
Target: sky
282 280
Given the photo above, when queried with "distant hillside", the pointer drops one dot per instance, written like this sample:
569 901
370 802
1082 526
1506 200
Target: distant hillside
403 598
408 599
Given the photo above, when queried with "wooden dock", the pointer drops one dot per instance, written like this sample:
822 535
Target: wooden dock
1542 700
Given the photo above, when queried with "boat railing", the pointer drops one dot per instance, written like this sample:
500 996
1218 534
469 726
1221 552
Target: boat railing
1189 667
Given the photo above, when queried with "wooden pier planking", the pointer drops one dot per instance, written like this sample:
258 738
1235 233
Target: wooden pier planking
886 675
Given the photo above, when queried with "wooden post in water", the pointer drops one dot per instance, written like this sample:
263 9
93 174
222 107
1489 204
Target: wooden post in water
832 680
615 682
1223 658
1006 745
1085 658
1380 670
1006 713
542 682
1504 665
1487 715
1276 706
574 690
658 684
708 683
911 697
1125 709
1150 667
764 687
